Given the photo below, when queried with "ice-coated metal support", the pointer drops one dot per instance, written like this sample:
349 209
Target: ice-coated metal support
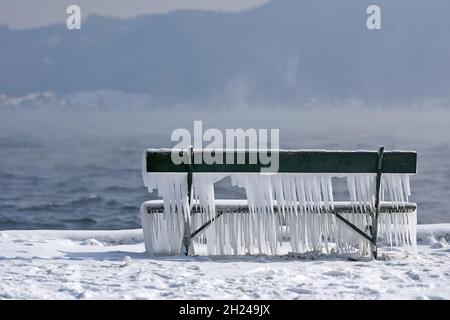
187 239
205 225
374 230
355 228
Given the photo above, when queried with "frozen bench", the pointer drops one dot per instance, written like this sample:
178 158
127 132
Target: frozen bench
303 192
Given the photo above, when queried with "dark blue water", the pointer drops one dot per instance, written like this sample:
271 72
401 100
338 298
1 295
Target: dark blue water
76 183
80 180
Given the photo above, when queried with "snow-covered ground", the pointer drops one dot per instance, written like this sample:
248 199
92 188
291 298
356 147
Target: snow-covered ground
113 264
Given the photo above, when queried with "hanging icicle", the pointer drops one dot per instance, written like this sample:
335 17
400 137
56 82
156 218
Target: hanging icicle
204 204
397 228
163 232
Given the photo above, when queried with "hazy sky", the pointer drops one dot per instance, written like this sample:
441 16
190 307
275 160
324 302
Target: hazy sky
33 13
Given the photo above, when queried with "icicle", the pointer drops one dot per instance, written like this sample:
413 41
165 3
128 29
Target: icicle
203 192
261 231
398 227
361 188
163 232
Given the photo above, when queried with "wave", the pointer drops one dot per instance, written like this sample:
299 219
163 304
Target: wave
41 207
81 221
89 199
122 189
84 200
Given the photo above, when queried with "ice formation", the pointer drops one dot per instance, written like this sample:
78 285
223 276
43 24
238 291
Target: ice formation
397 228
163 232
301 204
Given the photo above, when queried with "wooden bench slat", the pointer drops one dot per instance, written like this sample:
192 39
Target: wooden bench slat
302 161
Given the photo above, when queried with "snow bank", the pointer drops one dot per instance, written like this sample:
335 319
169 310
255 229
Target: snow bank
107 237
427 232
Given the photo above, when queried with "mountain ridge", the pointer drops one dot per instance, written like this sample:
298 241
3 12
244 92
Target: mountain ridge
283 51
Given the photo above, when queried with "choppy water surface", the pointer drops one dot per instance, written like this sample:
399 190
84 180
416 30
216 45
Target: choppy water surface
85 173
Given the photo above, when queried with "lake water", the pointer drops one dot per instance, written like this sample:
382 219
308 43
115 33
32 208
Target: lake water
61 170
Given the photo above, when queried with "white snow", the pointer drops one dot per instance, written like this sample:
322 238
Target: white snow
113 264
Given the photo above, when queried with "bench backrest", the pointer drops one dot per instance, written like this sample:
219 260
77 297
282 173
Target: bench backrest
292 161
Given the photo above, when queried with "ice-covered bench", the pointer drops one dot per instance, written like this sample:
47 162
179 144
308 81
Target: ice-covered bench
297 203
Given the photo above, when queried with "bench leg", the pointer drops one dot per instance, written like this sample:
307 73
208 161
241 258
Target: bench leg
374 232
186 246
